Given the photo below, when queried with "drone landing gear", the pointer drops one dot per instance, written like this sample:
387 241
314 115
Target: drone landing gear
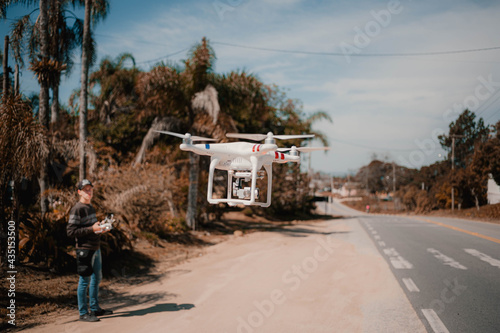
246 195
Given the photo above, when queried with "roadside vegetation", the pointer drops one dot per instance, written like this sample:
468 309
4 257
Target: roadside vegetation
475 158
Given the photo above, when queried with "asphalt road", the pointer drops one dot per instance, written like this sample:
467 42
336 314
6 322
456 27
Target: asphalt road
448 268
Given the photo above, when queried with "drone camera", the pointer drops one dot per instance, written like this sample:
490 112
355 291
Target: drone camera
243 192
246 192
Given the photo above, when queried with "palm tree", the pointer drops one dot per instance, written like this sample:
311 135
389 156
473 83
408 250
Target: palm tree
83 90
64 41
95 10
44 68
116 86
43 107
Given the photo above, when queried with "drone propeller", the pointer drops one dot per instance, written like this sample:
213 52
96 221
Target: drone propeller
269 136
187 136
303 149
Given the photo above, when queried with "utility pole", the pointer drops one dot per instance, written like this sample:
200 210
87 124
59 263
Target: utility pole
393 179
453 137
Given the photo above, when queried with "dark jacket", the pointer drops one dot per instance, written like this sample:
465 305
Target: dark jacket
81 219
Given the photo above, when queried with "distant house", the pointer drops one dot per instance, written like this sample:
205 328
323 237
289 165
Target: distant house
493 191
350 189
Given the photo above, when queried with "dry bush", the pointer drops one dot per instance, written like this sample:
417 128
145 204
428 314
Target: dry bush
43 240
409 195
423 202
146 199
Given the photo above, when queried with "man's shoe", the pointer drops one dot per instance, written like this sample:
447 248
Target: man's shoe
90 317
103 312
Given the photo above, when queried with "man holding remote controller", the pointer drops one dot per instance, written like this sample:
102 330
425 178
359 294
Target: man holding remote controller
83 225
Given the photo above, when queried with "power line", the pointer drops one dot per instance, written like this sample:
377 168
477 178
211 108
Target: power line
165 56
361 54
488 103
491 116
135 40
147 42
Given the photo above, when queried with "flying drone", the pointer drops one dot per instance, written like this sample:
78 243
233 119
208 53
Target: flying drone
243 162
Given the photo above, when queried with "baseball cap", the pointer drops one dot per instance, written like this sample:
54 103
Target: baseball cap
84 183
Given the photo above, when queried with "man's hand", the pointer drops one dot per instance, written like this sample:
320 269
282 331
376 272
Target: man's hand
98 229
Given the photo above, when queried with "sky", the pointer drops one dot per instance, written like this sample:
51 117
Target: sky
392 75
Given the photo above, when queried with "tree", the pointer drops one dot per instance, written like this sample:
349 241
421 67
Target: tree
467 133
195 77
116 87
373 176
94 9
170 91
43 107
50 44
63 40
23 149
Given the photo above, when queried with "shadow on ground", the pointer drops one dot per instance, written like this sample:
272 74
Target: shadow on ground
157 308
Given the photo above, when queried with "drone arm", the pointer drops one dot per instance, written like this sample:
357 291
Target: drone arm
200 149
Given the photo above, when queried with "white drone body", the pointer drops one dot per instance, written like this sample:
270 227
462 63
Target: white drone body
243 161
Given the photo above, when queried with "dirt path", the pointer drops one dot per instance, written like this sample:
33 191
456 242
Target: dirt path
322 277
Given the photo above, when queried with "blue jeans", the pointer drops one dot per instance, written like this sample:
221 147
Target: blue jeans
91 282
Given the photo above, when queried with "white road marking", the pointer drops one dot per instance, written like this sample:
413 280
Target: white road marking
445 259
433 319
381 243
484 257
391 252
377 237
410 285
396 260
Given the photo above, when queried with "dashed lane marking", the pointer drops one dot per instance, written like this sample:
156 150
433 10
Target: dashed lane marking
433 319
410 285
396 260
445 259
483 257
